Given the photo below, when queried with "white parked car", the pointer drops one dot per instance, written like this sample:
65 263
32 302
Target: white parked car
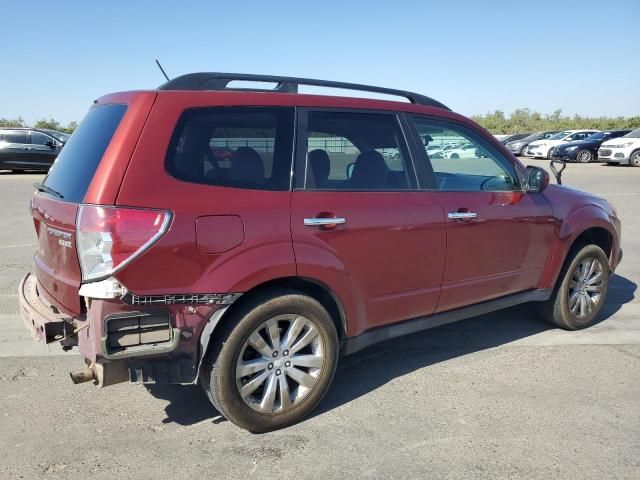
463 151
544 148
624 150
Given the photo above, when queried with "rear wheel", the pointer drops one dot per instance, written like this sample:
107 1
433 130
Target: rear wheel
274 362
584 156
634 161
581 290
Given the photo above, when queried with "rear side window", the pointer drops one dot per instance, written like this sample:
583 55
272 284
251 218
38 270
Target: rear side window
74 168
241 147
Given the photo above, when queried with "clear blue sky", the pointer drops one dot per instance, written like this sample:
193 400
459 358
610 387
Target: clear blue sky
475 56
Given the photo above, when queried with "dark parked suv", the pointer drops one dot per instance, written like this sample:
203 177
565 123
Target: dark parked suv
29 148
243 239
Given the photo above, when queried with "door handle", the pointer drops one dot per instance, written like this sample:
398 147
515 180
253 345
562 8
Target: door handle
462 215
324 222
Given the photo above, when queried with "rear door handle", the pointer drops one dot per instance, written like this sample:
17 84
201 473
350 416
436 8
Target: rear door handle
324 222
462 215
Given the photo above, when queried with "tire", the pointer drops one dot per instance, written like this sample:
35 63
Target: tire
235 364
634 159
612 164
550 153
454 156
584 156
560 309
523 150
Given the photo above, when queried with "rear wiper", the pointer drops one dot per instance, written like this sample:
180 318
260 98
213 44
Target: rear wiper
43 188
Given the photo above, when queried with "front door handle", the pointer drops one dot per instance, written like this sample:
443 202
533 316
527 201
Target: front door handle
326 222
462 215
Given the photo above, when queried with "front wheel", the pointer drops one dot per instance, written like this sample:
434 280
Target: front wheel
550 154
580 291
523 150
584 156
273 363
634 161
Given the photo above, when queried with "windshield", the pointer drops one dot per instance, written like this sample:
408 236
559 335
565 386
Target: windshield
559 136
634 134
598 136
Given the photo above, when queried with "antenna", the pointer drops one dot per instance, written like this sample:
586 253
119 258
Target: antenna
162 70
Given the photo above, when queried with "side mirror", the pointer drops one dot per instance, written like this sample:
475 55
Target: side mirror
350 169
50 143
536 180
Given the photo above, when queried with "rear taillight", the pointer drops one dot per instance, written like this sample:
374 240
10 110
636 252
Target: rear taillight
110 237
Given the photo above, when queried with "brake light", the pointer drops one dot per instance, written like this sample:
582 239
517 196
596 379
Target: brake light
110 237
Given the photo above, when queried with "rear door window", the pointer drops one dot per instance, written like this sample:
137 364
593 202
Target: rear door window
356 151
15 136
74 168
240 147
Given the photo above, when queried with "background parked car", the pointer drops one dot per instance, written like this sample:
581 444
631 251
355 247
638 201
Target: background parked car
514 137
519 147
585 151
624 150
29 148
544 148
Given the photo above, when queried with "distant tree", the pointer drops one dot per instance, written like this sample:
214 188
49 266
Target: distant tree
15 122
71 126
50 124
523 120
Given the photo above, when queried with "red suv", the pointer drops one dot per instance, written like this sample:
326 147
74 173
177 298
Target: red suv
243 238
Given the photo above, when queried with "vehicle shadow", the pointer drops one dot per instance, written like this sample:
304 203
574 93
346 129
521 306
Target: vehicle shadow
365 371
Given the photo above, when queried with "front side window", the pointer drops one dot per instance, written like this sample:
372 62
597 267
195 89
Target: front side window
241 147
38 138
461 160
355 151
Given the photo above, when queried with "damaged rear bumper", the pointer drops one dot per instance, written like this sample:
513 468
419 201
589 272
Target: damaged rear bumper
43 321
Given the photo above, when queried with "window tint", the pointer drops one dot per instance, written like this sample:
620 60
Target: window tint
73 170
355 151
14 136
461 160
38 138
243 147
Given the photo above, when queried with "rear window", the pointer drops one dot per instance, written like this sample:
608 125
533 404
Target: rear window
240 147
74 168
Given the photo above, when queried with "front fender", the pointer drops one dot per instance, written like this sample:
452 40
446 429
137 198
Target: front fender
577 222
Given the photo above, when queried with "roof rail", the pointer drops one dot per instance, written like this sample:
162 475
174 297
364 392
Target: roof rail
219 81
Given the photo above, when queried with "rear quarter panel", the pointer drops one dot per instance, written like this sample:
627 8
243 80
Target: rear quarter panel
177 264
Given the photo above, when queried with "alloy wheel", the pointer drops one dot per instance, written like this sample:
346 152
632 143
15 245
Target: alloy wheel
584 156
586 287
635 159
280 363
